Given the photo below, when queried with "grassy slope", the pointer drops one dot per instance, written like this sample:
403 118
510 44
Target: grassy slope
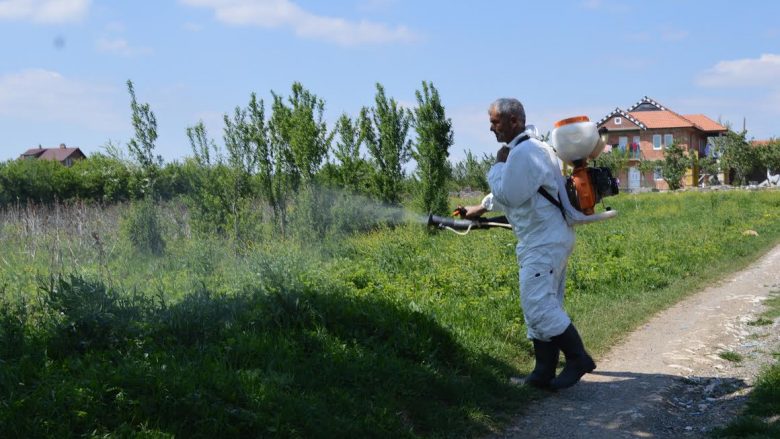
389 334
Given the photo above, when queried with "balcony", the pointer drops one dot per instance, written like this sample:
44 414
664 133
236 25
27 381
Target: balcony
632 152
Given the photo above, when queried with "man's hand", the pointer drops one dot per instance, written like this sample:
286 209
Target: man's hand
469 212
502 154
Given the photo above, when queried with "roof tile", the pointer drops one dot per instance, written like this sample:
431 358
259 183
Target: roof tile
705 123
661 119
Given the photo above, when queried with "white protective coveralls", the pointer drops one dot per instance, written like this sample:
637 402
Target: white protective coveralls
545 239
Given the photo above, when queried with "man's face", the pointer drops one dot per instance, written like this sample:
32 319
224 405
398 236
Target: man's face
505 127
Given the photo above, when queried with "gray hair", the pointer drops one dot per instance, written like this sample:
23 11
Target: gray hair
507 107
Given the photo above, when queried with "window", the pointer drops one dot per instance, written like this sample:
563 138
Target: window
658 173
622 142
656 141
668 139
635 147
618 121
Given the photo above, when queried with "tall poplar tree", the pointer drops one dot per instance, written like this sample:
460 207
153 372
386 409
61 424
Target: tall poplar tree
434 139
385 128
347 152
141 147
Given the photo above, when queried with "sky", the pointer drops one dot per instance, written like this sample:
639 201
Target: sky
64 64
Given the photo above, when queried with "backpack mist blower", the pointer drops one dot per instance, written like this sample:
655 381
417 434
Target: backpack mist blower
576 140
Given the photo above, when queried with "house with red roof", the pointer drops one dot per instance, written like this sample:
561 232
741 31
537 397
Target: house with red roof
65 155
646 128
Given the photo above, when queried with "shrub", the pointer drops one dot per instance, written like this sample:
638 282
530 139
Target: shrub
143 229
674 165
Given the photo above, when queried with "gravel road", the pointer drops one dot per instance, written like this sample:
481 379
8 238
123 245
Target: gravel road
667 380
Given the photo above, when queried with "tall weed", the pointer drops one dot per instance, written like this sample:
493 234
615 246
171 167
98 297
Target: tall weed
143 228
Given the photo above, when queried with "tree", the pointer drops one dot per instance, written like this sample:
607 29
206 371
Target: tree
735 154
307 132
284 174
352 168
769 156
616 160
257 132
241 154
142 146
202 146
472 172
674 165
384 128
434 138
211 197
708 166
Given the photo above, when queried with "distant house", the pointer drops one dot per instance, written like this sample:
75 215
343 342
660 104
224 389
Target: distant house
63 154
646 128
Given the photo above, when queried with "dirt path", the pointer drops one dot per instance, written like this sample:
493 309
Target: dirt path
666 380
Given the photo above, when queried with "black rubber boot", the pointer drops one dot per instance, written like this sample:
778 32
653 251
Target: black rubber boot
546 353
578 362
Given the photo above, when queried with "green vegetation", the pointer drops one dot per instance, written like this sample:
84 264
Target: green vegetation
772 306
736 154
434 138
261 290
674 165
384 129
392 332
761 321
472 172
734 357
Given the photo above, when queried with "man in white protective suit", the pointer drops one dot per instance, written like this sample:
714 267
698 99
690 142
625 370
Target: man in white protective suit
545 241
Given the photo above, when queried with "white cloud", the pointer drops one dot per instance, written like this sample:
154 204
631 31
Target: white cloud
44 11
42 96
286 14
763 71
120 46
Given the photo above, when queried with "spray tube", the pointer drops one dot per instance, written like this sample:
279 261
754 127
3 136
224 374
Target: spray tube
464 226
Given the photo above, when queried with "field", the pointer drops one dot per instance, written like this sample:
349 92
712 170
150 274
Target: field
396 332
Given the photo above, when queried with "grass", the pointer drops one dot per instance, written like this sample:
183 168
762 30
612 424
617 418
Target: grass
396 332
734 357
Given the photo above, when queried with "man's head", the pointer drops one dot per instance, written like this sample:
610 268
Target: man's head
507 118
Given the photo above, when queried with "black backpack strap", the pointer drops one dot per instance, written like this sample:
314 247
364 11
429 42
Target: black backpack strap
522 138
542 190
550 198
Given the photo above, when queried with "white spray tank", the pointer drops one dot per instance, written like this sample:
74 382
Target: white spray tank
576 140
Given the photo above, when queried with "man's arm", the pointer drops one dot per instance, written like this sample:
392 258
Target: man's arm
477 210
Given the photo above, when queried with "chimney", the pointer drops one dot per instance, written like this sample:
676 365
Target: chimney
62 145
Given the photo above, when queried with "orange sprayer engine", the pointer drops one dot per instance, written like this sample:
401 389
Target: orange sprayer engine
577 139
